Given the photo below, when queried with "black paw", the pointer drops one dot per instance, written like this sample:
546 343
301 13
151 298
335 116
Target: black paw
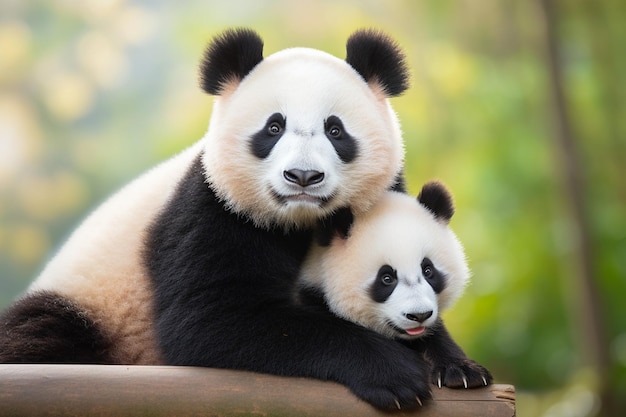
393 394
461 373
400 384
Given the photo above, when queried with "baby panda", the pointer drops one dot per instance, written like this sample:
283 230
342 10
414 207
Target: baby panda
194 263
397 269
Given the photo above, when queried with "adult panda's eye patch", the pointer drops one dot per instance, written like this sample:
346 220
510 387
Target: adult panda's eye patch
342 141
265 139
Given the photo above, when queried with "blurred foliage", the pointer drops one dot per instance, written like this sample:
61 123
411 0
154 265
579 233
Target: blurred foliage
92 93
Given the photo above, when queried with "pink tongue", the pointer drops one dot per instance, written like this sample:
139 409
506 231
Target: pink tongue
415 331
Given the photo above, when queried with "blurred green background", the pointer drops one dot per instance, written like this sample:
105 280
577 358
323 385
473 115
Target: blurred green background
530 139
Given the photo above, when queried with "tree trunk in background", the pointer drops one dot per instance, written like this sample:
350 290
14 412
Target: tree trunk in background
587 310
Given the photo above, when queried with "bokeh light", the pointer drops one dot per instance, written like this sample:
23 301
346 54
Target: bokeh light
92 93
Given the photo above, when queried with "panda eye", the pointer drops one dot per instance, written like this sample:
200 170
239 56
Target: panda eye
387 279
335 132
427 271
274 129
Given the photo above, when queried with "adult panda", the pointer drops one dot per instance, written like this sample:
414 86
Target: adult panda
195 262
398 268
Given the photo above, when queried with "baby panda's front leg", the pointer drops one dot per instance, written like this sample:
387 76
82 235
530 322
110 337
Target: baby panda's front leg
450 366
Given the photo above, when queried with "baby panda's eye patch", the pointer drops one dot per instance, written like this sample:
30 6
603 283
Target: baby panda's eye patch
384 284
434 277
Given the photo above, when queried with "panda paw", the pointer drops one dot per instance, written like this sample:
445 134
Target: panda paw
461 373
397 381
391 398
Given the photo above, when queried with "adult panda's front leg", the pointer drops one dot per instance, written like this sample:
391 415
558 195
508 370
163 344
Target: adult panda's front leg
450 365
224 299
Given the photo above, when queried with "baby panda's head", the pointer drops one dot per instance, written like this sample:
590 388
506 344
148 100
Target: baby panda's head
397 269
301 133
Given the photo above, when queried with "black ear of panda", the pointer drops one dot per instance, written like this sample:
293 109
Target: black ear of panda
378 59
229 58
436 198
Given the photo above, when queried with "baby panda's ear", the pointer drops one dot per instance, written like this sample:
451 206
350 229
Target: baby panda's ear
336 227
229 58
379 60
436 198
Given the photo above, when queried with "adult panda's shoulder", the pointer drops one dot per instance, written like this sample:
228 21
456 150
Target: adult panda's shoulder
195 250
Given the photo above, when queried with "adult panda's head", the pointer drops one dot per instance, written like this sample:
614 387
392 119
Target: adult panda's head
397 269
301 133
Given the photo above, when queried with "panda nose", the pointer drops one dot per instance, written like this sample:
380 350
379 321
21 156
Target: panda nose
419 317
303 178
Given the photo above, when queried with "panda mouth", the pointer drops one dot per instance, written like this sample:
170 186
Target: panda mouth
300 198
303 198
414 331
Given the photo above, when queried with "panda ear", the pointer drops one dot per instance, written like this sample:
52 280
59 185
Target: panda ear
379 60
229 58
436 198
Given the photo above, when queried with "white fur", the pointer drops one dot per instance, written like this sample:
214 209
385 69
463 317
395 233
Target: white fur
399 232
100 265
306 86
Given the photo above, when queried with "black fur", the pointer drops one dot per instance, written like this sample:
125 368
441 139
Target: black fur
385 283
344 144
399 184
230 57
449 363
433 276
387 280
224 298
313 297
436 198
338 225
379 60
44 327
265 139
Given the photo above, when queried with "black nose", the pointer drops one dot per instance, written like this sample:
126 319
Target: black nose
419 317
303 178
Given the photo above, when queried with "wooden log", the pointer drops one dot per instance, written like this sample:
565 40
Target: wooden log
99 390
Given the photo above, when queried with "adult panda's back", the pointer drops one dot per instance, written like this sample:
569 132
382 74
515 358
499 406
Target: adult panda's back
98 276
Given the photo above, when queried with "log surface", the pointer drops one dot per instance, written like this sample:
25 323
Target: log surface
116 390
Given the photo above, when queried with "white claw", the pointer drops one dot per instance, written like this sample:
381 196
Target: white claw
439 381
398 404
419 401
485 381
465 382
